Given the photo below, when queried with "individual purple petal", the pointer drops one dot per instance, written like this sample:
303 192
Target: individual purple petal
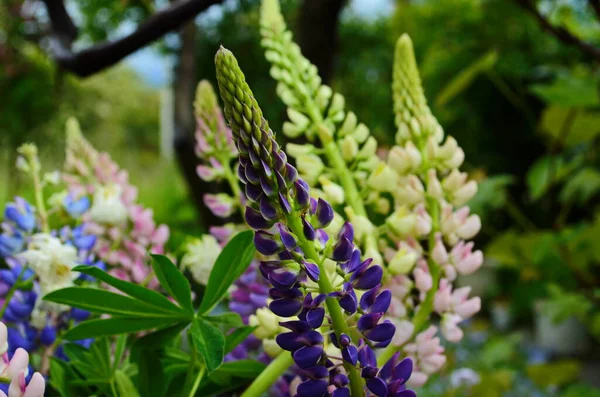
286 307
297 326
287 238
266 243
255 220
368 321
368 298
382 302
266 187
382 332
48 335
342 250
289 341
368 371
266 209
369 279
340 380
315 317
312 270
350 354
312 388
308 230
403 370
353 263
324 213
406 393
252 176
377 387
302 194
347 231
253 192
322 236
282 279
341 392
285 204
307 356
313 206
241 173
366 355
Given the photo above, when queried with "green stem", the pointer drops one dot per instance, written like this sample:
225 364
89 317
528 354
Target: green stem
39 200
335 311
232 179
11 291
353 198
270 375
197 382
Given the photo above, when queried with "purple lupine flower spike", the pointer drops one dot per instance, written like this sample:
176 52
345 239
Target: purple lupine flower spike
291 231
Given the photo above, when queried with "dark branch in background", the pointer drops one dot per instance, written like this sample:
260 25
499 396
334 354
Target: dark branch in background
595 4
318 33
559 32
102 55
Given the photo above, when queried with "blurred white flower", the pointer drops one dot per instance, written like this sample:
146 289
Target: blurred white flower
200 257
107 207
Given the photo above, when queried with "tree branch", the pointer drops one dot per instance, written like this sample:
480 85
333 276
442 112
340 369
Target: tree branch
102 55
560 33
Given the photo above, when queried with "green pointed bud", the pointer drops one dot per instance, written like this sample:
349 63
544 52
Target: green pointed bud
413 116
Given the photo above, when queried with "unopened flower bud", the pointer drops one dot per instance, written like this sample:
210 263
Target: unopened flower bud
439 253
310 167
349 148
411 191
401 221
403 261
383 179
434 187
464 193
333 192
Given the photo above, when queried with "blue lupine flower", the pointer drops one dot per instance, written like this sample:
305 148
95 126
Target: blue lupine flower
21 213
76 207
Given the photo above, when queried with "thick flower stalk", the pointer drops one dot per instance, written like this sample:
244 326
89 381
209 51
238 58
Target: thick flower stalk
425 239
315 277
14 371
125 229
348 155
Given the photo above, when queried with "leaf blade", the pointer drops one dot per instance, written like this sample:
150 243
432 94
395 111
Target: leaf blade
114 326
209 342
231 263
173 281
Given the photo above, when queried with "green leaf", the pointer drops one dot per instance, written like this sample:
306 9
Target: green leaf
554 374
115 326
209 342
231 263
236 337
150 378
105 302
228 319
61 374
569 91
547 171
120 347
570 126
135 291
581 187
173 281
161 337
242 368
125 386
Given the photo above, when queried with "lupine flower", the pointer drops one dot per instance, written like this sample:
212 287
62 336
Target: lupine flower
16 369
125 230
290 226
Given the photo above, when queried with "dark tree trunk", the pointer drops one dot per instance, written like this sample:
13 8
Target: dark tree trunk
184 89
318 33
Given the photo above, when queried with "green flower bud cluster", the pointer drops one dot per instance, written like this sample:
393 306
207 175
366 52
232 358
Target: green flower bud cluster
316 112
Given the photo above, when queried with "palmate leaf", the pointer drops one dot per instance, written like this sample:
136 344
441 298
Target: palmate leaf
209 342
105 302
117 325
173 281
134 290
231 263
